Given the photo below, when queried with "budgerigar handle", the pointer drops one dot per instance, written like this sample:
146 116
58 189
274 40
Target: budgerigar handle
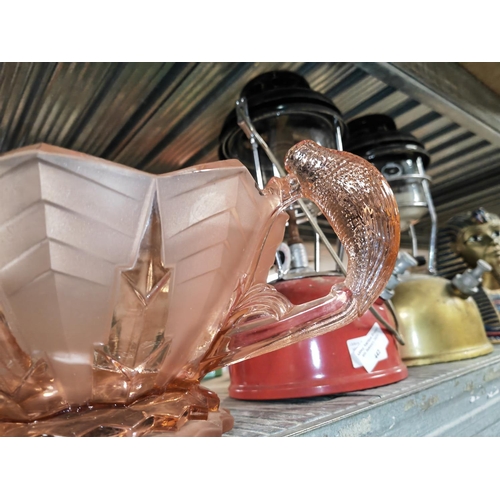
359 205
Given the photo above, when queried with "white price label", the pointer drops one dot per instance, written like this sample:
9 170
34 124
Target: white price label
367 351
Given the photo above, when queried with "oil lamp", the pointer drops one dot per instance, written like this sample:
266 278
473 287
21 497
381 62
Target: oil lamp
284 110
438 317
275 111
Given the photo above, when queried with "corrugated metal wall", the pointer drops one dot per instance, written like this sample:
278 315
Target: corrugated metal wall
161 117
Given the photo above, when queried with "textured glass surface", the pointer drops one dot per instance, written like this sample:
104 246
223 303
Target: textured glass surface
120 290
359 204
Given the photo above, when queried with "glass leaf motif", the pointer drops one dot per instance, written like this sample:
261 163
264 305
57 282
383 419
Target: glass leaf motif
126 367
27 387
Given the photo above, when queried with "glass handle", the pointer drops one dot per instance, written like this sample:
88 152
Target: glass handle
360 207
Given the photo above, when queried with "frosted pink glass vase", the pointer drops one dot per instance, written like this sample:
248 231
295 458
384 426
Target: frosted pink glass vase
120 290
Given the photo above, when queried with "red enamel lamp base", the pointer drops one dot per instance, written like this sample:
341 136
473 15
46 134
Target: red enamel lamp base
320 365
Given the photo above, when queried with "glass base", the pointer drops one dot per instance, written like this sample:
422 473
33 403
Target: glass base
178 413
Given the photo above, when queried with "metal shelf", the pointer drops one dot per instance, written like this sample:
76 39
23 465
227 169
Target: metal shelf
460 398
